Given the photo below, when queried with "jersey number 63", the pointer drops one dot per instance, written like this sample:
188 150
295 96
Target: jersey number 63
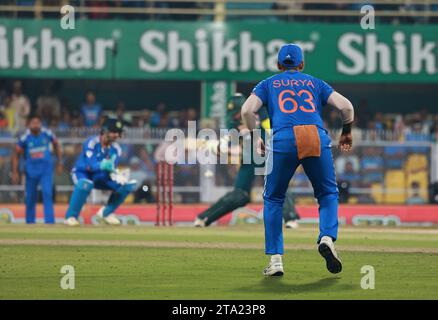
304 94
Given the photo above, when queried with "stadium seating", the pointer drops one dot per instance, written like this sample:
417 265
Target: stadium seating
394 181
422 178
377 192
416 162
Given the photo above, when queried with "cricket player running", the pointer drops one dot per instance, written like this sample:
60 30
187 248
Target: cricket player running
294 101
240 195
96 168
34 145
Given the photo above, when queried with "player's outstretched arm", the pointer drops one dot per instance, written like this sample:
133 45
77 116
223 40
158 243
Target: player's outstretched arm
15 176
249 111
347 112
58 153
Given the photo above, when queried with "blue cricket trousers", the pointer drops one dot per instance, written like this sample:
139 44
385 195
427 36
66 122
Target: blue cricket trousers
45 180
282 161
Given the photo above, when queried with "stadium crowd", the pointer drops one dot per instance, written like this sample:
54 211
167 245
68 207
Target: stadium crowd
367 166
15 107
99 10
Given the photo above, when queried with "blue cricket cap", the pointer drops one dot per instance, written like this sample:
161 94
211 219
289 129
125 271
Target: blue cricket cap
290 55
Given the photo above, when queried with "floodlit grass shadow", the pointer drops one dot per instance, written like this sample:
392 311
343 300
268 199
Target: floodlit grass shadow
281 285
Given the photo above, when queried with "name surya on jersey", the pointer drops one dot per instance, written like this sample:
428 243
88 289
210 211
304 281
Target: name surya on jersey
294 101
292 83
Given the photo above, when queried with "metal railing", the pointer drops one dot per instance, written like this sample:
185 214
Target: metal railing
149 138
156 135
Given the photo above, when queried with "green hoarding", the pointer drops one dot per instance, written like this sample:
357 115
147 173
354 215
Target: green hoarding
214 51
214 98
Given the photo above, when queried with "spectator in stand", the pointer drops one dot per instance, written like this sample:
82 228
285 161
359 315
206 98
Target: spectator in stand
76 120
434 130
174 120
91 111
48 105
416 133
3 121
5 153
3 95
399 124
122 115
349 178
371 165
99 9
379 122
185 175
415 198
350 174
147 164
191 115
20 105
159 116
65 122
4 99
54 123
426 118
342 160
181 119
9 113
334 121
127 153
394 156
145 119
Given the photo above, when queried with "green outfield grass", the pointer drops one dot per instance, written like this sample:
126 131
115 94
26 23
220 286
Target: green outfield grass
212 263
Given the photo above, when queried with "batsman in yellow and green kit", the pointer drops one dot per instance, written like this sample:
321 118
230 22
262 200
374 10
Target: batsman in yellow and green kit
240 195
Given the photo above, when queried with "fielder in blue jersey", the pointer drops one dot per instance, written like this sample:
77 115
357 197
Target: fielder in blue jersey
34 146
294 101
96 168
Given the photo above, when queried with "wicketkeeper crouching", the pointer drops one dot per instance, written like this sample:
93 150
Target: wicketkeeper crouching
96 168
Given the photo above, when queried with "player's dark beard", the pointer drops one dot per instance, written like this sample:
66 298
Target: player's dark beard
105 140
35 131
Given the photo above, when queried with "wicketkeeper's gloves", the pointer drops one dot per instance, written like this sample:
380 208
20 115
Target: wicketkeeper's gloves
108 164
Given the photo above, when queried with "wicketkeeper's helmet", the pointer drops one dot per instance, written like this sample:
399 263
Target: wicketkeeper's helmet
234 106
112 125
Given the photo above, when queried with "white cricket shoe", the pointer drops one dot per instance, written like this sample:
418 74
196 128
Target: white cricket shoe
110 219
292 224
327 250
72 222
275 267
199 223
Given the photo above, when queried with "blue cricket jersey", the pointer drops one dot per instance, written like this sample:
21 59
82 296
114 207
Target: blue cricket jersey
293 98
93 153
37 154
91 114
